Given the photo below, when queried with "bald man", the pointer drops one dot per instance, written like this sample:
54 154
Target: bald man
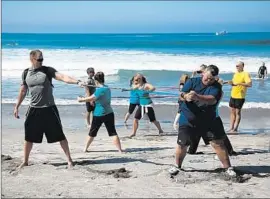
240 82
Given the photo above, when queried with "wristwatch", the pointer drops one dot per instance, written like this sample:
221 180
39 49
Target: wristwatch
183 95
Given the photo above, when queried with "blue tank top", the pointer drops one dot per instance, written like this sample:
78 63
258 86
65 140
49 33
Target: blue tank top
144 96
134 97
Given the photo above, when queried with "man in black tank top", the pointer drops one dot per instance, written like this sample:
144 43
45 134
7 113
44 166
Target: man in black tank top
262 73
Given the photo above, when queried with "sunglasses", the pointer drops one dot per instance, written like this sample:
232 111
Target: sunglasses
137 79
39 60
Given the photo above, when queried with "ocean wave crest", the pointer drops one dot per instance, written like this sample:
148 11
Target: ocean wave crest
75 62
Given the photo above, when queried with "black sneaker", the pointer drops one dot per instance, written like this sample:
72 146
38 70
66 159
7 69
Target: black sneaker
233 153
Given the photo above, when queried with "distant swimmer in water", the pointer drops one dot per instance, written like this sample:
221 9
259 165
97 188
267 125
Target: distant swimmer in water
262 73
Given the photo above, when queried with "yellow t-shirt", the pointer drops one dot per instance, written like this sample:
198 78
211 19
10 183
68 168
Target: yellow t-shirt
239 92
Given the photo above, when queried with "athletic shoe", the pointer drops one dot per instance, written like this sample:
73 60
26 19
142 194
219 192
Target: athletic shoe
230 172
174 170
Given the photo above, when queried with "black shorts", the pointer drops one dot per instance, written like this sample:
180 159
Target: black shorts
89 107
43 120
108 120
188 134
151 113
261 76
132 107
236 103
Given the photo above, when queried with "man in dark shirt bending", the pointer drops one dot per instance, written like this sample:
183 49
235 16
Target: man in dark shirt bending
200 96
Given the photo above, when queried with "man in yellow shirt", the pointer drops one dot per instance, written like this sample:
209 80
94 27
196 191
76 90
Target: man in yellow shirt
240 82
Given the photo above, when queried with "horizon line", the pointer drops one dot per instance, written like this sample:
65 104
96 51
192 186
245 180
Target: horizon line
228 32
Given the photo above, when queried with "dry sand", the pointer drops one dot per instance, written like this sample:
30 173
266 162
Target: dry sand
145 164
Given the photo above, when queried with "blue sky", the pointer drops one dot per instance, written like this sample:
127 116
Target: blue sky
134 17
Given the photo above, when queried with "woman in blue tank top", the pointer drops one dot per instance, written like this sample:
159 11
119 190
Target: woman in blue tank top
133 101
103 112
142 89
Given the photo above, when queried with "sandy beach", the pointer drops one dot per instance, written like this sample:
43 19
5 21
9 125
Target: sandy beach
133 43
142 171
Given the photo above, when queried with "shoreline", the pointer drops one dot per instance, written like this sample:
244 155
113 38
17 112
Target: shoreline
254 120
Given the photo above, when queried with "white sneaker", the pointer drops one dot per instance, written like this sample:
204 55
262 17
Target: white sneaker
174 170
231 172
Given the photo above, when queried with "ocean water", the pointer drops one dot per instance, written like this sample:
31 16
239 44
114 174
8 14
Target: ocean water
162 58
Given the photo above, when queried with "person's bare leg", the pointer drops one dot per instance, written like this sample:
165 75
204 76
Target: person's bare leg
237 119
157 124
232 118
180 155
117 143
135 127
126 117
87 118
91 118
176 121
89 141
222 153
65 147
26 150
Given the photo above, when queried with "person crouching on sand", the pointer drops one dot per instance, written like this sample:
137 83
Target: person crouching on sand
103 112
143 89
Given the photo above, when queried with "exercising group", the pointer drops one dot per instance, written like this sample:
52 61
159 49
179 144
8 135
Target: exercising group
198 109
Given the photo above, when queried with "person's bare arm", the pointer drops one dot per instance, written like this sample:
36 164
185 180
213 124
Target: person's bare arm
194 73
249 84
91 98
65 78
226 82
192 96
206 99
182 96
179 84
21 96
149 87
87 92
